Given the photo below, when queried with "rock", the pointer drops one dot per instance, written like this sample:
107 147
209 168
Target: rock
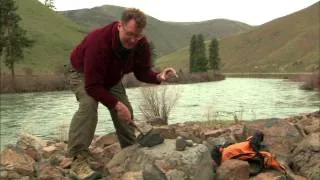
33 153
270 176
222 140
297 177
310 125
132 176
152 172
49 151
105 140
61 146
195 162
65 162
119 158
176 175
3 174
181 144
214 133
189 142
233 169
238 133
97 152
34 158
111 150
25 178
306 157
14 175
280 136
21 163
48 172
27 140
166 132
116 170
162 165
189 135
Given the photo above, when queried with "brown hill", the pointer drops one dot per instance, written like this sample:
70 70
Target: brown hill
167 36
287 44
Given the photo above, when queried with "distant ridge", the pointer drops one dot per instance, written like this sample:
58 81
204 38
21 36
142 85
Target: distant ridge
287 44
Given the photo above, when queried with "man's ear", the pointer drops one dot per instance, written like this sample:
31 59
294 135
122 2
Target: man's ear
119 25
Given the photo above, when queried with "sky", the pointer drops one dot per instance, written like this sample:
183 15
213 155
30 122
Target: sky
252 12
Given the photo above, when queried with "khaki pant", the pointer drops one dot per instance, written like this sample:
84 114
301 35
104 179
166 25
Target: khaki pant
84 121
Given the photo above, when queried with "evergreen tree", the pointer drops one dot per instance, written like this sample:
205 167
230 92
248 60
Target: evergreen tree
201 59
192 52
214 59
49 4
13 37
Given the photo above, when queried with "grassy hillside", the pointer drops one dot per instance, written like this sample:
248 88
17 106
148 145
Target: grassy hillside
287 44
55 36
167 36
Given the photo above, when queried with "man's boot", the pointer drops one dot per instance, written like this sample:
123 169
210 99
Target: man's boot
80 169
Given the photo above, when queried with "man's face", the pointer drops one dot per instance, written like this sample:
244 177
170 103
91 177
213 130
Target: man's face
129 34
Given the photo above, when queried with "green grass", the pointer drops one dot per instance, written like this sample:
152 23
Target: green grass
55 37
287 44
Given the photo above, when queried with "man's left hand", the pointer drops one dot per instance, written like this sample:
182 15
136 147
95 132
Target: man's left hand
165 73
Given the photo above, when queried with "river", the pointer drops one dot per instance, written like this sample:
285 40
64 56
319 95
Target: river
48 114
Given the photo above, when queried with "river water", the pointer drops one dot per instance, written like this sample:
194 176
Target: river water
48 114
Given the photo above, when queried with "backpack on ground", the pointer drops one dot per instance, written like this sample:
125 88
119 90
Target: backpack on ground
249 150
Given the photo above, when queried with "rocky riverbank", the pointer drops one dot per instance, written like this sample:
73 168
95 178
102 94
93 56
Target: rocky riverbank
295 142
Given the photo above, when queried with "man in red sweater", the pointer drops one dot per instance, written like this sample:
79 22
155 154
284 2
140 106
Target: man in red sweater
98 65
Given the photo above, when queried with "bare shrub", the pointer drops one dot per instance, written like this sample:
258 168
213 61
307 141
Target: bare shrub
157 103
213 117
310 82
33 83
62 132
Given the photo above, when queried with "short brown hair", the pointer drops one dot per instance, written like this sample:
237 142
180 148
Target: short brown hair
137 15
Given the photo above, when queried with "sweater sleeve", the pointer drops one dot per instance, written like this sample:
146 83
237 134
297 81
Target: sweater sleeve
94 71
142 68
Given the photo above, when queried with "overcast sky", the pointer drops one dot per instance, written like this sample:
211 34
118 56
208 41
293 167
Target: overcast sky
253 12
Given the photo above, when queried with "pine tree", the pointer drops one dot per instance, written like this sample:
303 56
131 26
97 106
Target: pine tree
214 58
49 4
192 52
13 37
201 59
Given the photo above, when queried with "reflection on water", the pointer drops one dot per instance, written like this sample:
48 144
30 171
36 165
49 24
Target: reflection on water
44 114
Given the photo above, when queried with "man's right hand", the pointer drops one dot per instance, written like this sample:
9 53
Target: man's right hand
123 112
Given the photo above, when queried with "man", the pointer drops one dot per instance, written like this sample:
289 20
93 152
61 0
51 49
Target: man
98 65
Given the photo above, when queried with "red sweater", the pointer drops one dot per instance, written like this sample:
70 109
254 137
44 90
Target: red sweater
97 56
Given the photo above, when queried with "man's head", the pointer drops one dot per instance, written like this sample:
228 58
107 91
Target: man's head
131 27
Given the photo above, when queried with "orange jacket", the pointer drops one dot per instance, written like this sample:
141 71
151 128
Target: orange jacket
244 151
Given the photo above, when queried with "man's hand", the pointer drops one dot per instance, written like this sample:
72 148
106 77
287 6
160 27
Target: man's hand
123 112
165 73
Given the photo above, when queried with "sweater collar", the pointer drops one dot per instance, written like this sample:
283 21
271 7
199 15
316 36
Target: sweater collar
116 45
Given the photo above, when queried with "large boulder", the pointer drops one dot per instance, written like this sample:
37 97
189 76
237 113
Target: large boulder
233 169
306 157
165 162
309 123
280 136
16 161
28 140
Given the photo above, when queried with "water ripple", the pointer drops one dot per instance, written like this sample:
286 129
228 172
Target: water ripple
44 114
